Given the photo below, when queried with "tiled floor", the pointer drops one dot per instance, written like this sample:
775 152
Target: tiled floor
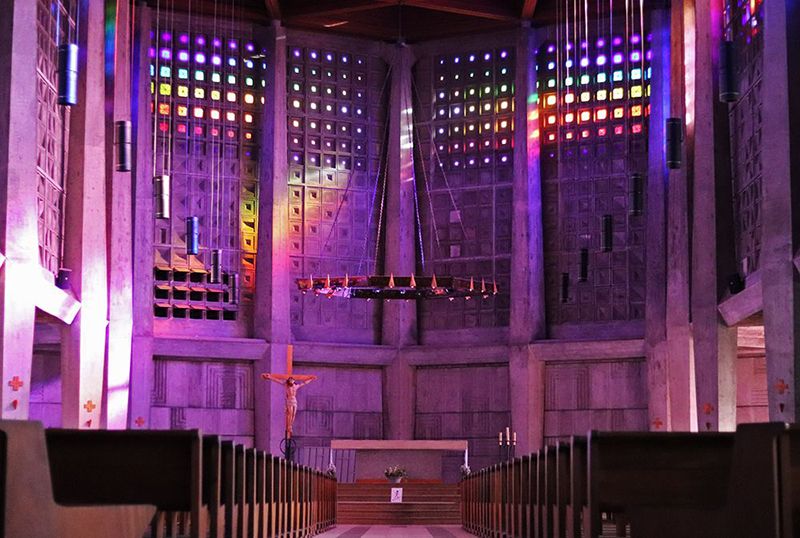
396 531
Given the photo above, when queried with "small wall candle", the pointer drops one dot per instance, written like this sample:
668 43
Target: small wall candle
500 439
508 435
515 439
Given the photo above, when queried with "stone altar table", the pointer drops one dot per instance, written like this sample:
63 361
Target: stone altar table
421 459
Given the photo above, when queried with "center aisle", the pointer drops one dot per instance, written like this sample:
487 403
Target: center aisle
399 531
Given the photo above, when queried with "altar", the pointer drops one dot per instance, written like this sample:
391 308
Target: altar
421 459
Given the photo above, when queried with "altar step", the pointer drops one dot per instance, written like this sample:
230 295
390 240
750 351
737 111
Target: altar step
423 504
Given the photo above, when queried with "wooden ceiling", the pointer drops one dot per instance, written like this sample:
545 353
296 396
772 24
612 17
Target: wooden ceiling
386 20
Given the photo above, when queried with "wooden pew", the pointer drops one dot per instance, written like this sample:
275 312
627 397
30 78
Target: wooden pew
162 468
666 484
212 484
29 507
228 496
577 509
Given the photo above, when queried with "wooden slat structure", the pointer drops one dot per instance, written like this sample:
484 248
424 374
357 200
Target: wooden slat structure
644 484
201 485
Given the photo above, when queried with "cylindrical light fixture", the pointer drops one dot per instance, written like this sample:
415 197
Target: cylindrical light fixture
162 194
564 287
607 234
123 144
192 235
674 138
233 288
583 275
728 88
68 74
63 278
216 266
637 194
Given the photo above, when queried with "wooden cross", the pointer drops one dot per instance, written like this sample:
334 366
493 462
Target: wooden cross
15 383
288 374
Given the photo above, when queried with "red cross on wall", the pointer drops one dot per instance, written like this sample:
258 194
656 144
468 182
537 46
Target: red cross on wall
781 386
15 383
89 406
139 421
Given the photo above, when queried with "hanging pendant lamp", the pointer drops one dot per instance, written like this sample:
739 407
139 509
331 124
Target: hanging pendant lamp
68 74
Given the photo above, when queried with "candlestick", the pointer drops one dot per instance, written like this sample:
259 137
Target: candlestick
508 435
331 457
515 438
466 456
500 439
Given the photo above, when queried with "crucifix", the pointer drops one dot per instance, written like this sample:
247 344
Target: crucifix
291 383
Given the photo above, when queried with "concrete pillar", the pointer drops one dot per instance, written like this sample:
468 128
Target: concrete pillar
780 159
141 376
119 227
712 248
399 327
399 317
527 321
18 219
679 354
656 347
83 342
271 319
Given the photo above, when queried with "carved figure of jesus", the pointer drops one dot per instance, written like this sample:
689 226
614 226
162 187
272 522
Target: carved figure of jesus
291 387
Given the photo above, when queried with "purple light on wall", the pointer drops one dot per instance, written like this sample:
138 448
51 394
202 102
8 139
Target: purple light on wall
635 39
584 62
551 48
232 44
503 54
166 36
313 55
601 43
200 40
166 54
184 38
250 47
216 60
217 42
487 56
635 56
601 60
456 60
183 56
617 41
200 58
232 62
296 53
152 52
618 58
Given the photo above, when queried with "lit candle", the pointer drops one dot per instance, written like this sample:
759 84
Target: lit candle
500 439
515 438
508 435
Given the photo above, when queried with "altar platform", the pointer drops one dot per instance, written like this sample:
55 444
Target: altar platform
421 459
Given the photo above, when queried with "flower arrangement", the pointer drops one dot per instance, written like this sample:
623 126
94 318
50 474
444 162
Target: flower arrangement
465 471
395 471
331 470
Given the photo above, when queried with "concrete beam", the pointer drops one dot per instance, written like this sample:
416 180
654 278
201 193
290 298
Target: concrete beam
750 301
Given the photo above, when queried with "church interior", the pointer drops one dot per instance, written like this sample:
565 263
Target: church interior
504 268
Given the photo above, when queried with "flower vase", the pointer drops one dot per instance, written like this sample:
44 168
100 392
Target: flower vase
395 479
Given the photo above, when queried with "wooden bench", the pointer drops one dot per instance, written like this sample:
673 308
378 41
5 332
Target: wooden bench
666 484
162 468
30 509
